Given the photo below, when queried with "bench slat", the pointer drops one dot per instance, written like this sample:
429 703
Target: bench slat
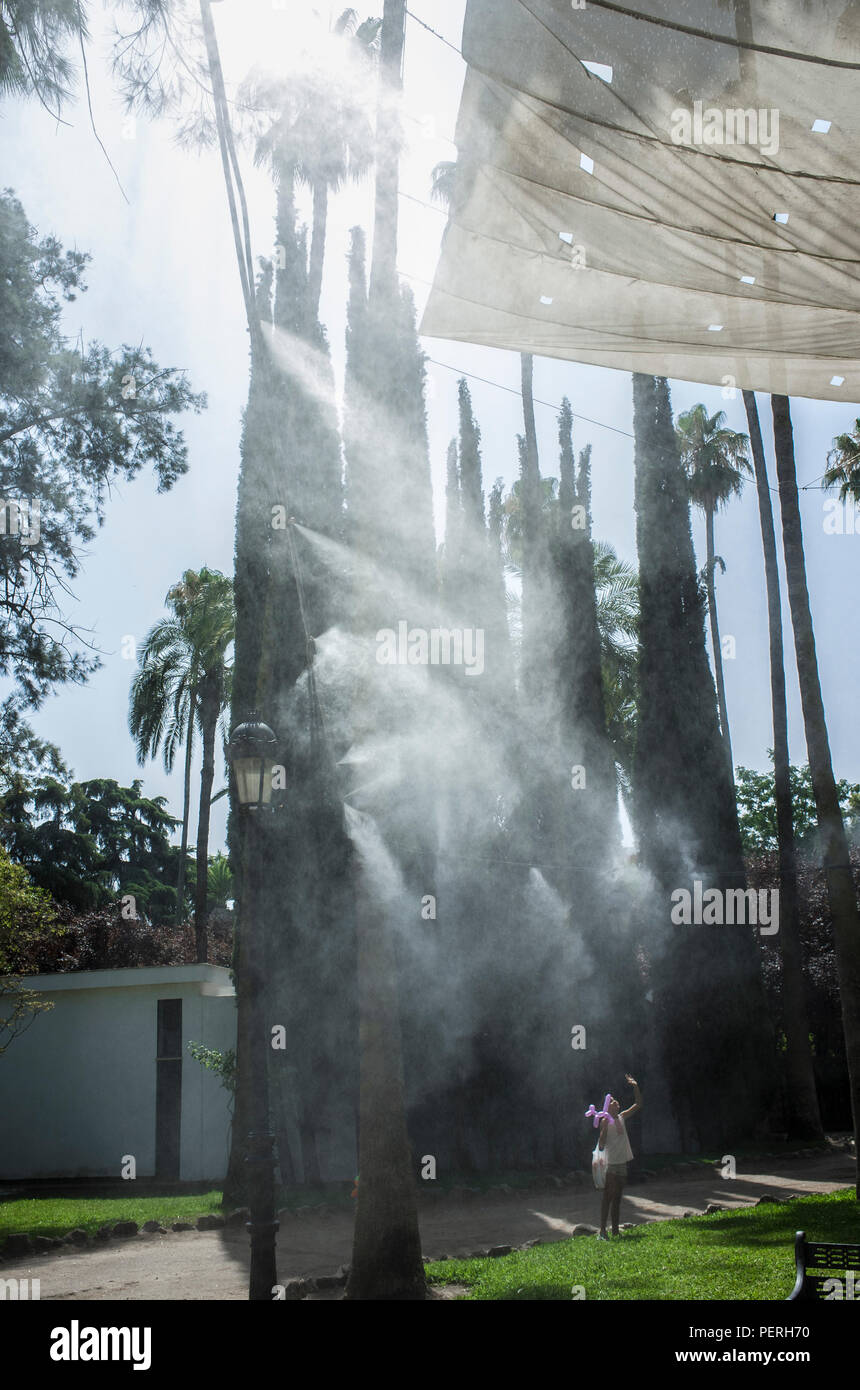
832 1256
814 1261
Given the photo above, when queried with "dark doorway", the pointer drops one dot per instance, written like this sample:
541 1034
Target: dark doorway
168 1088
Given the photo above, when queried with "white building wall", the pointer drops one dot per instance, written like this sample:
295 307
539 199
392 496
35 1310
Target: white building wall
77 1089
206 1113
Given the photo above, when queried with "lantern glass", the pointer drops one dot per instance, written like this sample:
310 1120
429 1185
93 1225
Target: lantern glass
266 767
254 780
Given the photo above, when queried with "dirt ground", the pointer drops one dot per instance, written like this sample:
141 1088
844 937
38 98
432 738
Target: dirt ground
214 1264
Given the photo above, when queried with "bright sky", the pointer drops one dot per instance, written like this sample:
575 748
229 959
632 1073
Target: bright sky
164 272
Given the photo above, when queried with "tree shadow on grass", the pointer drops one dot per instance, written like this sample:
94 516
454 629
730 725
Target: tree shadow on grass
533 1293
633 1290
822 1219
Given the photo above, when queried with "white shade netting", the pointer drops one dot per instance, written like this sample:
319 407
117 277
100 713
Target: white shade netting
688 205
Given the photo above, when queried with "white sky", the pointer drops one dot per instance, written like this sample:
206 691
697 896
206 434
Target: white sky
164 272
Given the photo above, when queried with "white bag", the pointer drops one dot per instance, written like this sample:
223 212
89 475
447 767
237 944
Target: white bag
599 1166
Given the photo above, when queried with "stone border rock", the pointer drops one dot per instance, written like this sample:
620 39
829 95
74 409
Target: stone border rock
22 1243
300 1288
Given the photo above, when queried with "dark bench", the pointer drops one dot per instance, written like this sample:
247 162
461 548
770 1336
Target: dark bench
817 1262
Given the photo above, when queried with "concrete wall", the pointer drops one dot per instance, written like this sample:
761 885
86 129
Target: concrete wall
77 1089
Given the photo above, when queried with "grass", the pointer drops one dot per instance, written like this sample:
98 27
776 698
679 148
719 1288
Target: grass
54 1216
747 1254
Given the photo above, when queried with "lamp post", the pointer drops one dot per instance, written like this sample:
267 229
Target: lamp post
251 755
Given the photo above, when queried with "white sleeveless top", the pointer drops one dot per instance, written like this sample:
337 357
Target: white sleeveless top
617 1145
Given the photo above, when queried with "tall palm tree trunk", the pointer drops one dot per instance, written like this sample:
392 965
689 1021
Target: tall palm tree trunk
317 256
249 574
532 558
383 272
715 638
837 865
804 1116
230 168
532 477
386 1261
209 721
186 807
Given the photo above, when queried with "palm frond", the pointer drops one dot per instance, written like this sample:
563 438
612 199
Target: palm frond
843 465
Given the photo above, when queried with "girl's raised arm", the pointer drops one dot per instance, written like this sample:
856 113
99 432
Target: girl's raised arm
637 1101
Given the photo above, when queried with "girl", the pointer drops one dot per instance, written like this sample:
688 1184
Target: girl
613 1139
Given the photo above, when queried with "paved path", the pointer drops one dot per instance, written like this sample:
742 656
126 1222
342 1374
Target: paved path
214 1264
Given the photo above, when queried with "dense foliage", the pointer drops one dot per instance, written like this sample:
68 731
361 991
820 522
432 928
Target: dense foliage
73 418
27 925
820 976
103 939
89 843
757 807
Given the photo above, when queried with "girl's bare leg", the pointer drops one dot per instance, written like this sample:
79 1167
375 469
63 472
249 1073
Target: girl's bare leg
605 1203
617 1189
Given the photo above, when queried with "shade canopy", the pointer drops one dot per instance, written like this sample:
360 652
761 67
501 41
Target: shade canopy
670 188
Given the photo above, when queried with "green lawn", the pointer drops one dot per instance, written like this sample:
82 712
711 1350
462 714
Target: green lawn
733 1255
54 1216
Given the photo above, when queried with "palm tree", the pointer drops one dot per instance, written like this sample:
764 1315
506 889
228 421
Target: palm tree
211 624
837 866
444 182
715 460
843 465
803 1111
182 681
317 130
162 713
220 880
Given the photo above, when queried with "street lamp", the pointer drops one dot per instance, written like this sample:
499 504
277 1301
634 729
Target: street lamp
251 755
